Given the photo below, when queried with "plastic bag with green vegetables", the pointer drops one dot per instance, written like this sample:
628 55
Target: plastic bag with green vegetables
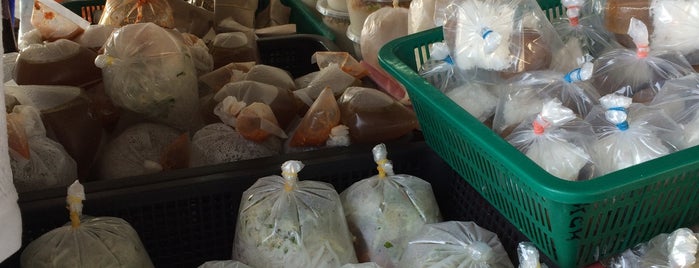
385 210
87 241
284 222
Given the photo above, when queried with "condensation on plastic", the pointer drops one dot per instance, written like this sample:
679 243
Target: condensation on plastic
676 28
679 99
54 21
557 140
524 95
640 73
583 34
149 70
120 13
385 210
218 143
454 244
286 222
629 134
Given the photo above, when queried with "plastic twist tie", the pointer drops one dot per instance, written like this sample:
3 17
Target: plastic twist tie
379 167
623 125
642 51
573 75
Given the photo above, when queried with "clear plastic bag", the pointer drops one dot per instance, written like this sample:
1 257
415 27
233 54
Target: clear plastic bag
616 15
385 210
254 121
149 70
280 100
557 140
640 73
511 36
286 222
361 265
629 134
234 43
421 15
372 116
675 250
523 96
528 256
62 62
54 21
95 36
329 77
203 61
120 13
219 143
191 19
37 162
272 76
455 244
679 99
87 241
583 34
216 79
676 28
315 127
345 60
223 264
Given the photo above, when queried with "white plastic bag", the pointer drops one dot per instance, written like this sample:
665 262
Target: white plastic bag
557 140
675 27
679 99
285 222
629 134
455 244
386 210
675 250
148 70
640 73
219 143
87 241
528 255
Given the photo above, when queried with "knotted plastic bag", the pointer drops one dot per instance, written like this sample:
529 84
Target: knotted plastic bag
285 222
557 140
271 75
345 60
316 126
387 209
62 62
37 162
149 71
640 73
583 34
511 36
255 121
219 143
121 13
454 244
281 101
675 250
523 96
528 255
331 77
87 241
54 21
139 150
629 134
95 36
203 61
372 116
679 99
676 28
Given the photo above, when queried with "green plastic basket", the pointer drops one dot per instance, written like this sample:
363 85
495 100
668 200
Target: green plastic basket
573 223
306 21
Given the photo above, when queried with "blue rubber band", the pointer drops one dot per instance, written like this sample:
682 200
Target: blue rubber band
568 77
623 125
621 109
449 60
486 33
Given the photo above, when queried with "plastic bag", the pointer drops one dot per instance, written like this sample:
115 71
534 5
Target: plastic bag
203 61
218 78
421 15
528 255
511 36
272 76
523 96
372 116
675 27
219 143
223 264
305 80
629 134
149 71
242 11
316 126
677 250
361 265
120 13
191 19
679 99
62 62
454 244
234 43
280 100
37 162
346 61
54 21
638 74
87 241
385 210
284 222
617 14
331 77
254 121
95 36
583 34
557 140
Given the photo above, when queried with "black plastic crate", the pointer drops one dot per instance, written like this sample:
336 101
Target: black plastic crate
187 217
293 52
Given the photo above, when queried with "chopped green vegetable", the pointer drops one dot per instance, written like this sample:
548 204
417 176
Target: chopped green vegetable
388 245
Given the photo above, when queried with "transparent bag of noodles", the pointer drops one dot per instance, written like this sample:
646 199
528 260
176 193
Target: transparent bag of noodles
139 150
509 36
149 70
219 143
523 96
454 244
674 250
121 13
385 210
54 21
583 34
87 241
37 162
557 140
640 73
280 100
287 222
679 99
676 28
372 116
629 134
